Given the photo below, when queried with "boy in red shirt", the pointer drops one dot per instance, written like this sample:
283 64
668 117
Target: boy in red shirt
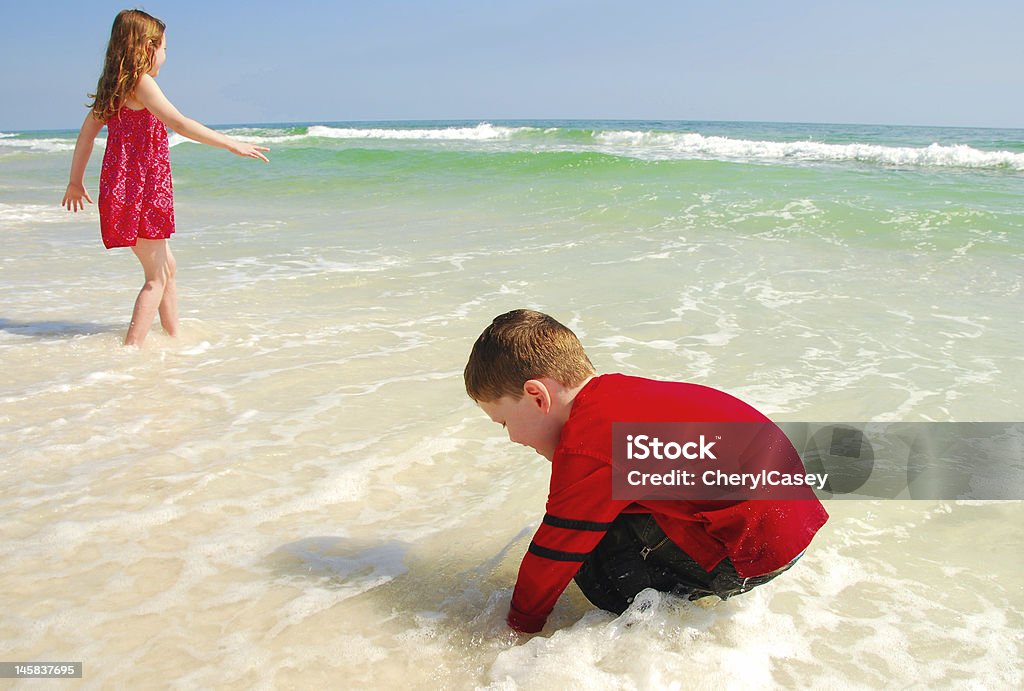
530 374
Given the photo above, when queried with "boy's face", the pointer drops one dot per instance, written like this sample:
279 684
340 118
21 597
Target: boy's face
528 421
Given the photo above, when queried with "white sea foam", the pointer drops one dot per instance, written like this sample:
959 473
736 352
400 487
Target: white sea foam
174 139
57 145
260 135
481 132
669 145
12 214
9 144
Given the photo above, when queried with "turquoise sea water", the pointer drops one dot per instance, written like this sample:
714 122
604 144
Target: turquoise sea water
296 489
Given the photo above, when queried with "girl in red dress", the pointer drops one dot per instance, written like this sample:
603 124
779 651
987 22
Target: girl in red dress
136 200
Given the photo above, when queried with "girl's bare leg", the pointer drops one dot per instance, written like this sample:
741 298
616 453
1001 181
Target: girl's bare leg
158 293
169 303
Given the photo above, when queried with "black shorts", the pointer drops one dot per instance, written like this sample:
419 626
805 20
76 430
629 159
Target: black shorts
635 554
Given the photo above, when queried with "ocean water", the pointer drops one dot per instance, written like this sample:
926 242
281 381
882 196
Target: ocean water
297 491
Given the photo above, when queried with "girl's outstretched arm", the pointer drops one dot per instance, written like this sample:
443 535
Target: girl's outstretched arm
76 191
149 94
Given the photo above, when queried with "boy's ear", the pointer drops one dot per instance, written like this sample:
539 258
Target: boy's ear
538 392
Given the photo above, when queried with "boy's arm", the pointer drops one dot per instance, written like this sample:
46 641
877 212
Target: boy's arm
150 95
543 575
579 512
76 191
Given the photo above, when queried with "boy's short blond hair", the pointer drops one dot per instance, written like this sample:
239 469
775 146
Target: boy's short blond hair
521 345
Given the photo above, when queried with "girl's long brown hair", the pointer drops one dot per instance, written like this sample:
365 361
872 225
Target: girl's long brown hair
134 39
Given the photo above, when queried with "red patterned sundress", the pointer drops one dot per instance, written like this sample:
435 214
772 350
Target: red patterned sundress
136 193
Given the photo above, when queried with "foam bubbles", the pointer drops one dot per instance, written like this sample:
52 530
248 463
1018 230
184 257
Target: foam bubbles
30 214
44 145
669 145
481 132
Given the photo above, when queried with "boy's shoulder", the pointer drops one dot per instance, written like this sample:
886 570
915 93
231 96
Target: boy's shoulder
612 398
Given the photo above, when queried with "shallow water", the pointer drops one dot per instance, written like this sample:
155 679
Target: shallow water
297 490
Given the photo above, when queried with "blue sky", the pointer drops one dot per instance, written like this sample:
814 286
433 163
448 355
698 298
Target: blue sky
893 62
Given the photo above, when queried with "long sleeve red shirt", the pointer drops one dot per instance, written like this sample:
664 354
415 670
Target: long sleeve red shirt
757 536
